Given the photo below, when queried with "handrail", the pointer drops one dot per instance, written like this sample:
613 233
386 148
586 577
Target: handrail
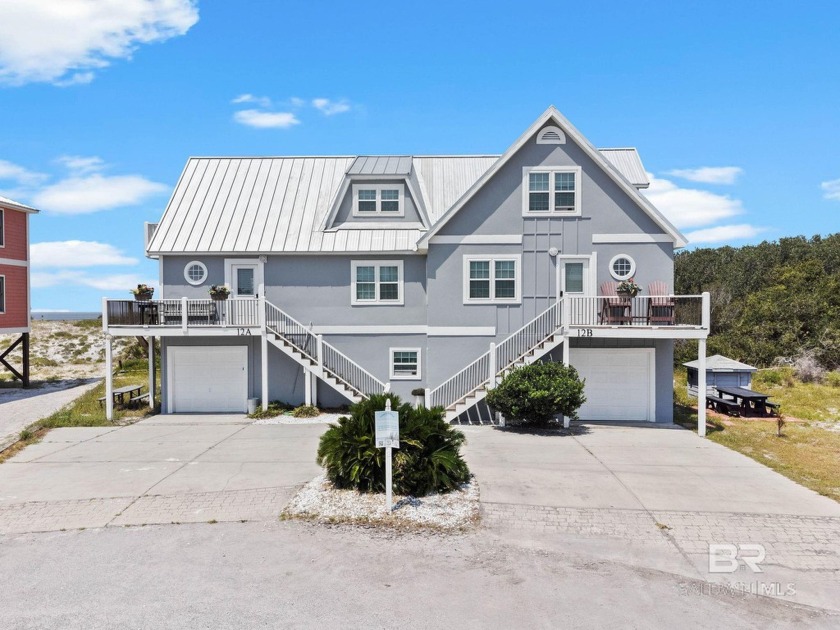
498 359
331 359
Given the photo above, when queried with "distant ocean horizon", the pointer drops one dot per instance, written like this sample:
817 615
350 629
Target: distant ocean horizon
56 316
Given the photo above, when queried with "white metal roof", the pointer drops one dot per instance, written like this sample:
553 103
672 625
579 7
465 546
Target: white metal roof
279 204
720 363
629 164
16 205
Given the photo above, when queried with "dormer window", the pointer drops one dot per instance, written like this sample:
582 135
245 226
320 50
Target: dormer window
378 200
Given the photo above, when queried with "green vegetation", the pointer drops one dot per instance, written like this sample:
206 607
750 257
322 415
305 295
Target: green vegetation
275 408
776 300
534 394
428 460
306 411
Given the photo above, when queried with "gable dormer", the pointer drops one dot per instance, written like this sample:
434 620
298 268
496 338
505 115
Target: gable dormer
379 192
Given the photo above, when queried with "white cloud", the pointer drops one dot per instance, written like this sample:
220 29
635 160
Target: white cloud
689 207
297 102
265 120
119 283
65 41
91 193
831 189
330 108
77 254
723 233
81 165
262 101
19 174
709 174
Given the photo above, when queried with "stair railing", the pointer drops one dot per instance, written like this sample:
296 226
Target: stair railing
498 359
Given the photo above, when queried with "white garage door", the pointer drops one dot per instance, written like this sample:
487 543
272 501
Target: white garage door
207 378
619 383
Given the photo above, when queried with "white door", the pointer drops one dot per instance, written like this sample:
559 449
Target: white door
210 379
620 383
573 276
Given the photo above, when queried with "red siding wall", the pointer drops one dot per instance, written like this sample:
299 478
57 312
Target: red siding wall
15 235
17 301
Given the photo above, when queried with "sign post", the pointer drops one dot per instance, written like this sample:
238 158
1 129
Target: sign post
388 437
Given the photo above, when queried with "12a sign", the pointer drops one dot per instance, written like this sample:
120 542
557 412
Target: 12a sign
387 429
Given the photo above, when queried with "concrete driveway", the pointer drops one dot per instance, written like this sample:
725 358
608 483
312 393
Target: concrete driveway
179 468
658 497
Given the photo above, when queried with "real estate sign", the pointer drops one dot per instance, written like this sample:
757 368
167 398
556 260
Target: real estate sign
387 429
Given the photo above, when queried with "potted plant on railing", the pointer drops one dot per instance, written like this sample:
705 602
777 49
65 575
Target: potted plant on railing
628 288
219 292
143 292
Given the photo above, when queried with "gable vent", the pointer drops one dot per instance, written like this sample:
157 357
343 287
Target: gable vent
551 135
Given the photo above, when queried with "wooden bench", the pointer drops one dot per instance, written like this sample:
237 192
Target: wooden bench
138 398
729 407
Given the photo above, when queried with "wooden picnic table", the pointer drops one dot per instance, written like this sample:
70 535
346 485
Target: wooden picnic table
748 399
120 392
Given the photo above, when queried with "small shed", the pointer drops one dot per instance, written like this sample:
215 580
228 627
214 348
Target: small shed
720 371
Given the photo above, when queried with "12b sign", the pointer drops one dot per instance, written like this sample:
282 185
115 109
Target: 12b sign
387 429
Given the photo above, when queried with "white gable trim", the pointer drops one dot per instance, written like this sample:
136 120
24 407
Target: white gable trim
631 238
479 239
552 114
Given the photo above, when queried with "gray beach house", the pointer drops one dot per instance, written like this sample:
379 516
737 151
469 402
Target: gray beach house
438 272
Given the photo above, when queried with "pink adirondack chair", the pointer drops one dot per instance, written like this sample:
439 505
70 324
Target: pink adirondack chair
614 308
660 304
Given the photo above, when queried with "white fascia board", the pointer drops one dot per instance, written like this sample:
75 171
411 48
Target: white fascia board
665 332
589 149
13 331
11 262
478 239
631 238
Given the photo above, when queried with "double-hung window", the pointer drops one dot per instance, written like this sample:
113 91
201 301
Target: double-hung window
551 191
377 282
405 363
378 200
491 279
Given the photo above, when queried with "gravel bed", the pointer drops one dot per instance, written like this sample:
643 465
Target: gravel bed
324 418
320 501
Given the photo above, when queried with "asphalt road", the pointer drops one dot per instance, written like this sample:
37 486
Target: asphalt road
289 574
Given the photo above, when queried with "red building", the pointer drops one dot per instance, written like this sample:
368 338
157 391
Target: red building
14 282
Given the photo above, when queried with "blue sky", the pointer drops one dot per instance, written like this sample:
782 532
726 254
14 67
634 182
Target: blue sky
733 105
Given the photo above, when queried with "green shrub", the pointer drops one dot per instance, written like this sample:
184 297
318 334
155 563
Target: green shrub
428 460
534 394
832 379
306 411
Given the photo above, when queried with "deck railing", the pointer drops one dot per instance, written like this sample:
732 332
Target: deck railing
183 312
647 310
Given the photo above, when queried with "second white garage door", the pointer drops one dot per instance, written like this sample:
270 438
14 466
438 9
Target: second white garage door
207 378
619 383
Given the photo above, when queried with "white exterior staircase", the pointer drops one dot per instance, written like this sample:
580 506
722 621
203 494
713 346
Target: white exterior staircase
468 387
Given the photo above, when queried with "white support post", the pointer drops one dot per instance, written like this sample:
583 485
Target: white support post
307 387
565 362
314 387
109 379
493 369
565 312
184 314
263 354
706 317
105 315
701 387
151 341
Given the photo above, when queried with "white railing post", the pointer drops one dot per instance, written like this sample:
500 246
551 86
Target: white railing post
263 352
427 398
105 315
492 371
319 351
109 379
706 317
701 387
184 314
565 311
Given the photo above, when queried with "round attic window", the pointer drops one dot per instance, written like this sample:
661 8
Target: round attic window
195 272
622 267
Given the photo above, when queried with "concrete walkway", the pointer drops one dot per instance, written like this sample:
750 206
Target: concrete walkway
658 497
21 407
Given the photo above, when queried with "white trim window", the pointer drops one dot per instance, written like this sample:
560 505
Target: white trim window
405 364
2 228
378 200
376 282
492 279
551 191
2 294
195 272
622 267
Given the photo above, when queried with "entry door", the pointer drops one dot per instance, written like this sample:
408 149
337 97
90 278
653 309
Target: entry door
574 276
244 281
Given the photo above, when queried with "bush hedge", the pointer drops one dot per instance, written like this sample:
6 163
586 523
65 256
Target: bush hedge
428 460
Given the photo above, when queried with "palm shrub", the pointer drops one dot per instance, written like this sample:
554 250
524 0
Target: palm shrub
534 394
428 460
